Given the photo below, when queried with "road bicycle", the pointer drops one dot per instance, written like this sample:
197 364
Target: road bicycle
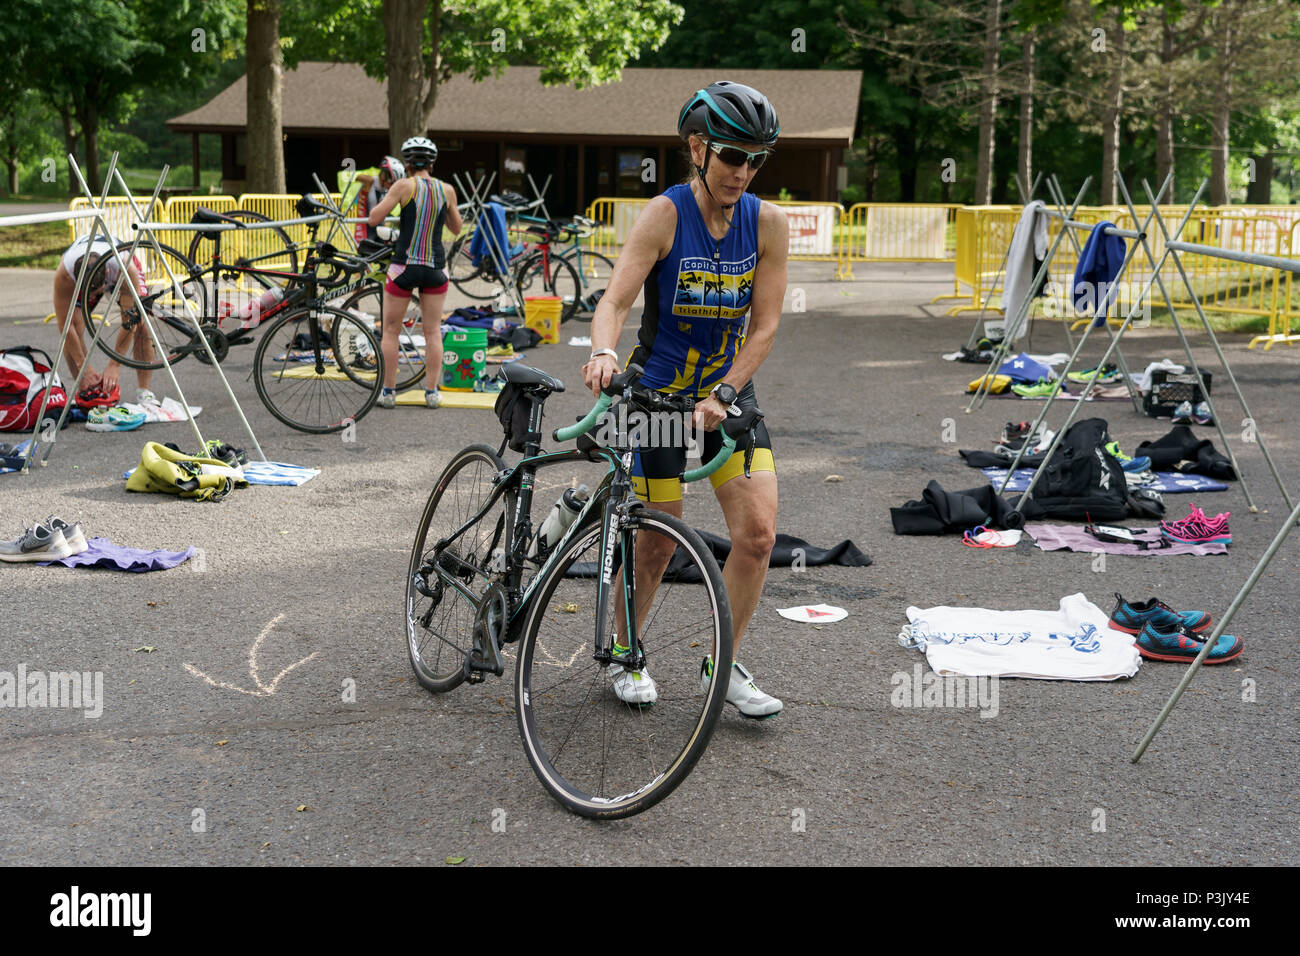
479 582
317 367
545 267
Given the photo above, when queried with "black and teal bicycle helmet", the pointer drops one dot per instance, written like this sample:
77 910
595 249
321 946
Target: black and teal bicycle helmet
730 111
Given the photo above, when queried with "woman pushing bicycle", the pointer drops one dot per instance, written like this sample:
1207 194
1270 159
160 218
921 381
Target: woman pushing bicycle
418 263
707 253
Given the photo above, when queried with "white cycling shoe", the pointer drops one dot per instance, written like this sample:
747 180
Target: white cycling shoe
743 693
634 687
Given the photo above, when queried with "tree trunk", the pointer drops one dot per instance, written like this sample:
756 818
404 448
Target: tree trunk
88 117
70 147
404 63
1165 111
1111 120
11 166
433 72
905 149
1025 165
265 170
1260 192
988 103
1220 124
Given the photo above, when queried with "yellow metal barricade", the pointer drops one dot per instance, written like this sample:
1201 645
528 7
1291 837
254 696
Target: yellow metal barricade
615 216
180 209
899 232
1283 318
259 243
117 216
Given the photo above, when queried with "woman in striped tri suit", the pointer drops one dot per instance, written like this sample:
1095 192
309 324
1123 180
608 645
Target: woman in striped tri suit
418 263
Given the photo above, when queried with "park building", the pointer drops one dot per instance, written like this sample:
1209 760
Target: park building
611 140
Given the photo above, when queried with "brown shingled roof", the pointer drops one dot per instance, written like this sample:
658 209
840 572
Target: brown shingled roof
815 106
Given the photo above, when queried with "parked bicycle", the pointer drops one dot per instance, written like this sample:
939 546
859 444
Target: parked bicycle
554 265
481 578
311 356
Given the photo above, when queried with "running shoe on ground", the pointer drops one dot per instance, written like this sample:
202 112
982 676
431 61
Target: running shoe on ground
1199 528
1181 646
1110 374
1131 618
1182 414
501 351
742 692
221 451
115 419
485 383
1127 462
72 533
146 397
635 688
1201 414
387 399
1040 389
98 398
1013 432
431 398
35 544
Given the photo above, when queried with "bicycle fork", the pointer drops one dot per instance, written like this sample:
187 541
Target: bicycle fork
616 519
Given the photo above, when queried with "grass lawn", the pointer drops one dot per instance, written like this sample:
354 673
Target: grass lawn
33 247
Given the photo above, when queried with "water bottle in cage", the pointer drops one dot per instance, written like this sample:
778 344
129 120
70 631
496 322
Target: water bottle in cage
255 308
561 518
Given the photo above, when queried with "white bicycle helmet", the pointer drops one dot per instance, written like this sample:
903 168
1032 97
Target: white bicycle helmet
393 168
419 151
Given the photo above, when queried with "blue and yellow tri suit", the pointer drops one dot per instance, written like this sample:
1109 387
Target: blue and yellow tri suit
697 302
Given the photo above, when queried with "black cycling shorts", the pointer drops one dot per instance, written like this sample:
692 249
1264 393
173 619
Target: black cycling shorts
656 471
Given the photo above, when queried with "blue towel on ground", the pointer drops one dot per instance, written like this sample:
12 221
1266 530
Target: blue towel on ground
1098 266
1167 482
1022 368
103 553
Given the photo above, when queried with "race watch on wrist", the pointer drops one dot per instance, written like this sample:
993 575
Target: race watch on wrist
726 393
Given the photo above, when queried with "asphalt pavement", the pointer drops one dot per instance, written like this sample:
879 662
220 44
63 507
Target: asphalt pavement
259 708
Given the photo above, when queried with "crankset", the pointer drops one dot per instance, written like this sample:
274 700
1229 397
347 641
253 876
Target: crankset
489 631
219 342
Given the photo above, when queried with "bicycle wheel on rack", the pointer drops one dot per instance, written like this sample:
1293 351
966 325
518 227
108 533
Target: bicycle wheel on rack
299 369
596 755
122 335
474 281
593 271
556 277
266 248
441 608
368 305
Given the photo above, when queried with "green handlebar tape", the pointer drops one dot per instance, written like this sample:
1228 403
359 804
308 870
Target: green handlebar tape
709 467
570 432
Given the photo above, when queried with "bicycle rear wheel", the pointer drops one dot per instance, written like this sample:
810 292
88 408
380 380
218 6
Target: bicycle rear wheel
480 281
368 305
443 588
264 248
299 369
122 335
594 754
556 277
593 271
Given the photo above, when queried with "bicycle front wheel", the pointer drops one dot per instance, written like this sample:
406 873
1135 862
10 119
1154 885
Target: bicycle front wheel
444 587
368 305
555 277
122 333
596 755
299 369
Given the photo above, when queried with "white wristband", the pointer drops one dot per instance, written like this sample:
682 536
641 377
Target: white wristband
599 352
